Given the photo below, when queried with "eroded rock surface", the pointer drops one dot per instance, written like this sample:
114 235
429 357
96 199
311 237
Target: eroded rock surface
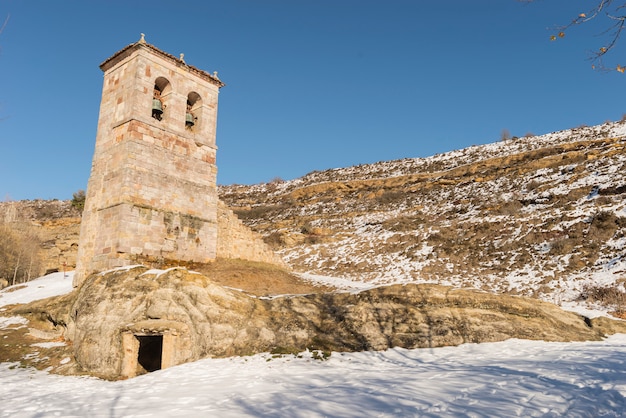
199 318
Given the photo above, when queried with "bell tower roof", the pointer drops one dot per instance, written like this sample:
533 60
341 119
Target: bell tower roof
142 44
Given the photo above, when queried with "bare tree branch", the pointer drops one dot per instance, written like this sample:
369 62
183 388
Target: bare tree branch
611 10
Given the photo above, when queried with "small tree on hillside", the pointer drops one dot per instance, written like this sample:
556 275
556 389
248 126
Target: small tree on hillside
78 200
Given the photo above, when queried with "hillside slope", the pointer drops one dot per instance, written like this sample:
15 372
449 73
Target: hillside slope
541 216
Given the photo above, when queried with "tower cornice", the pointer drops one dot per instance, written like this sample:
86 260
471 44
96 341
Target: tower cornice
142 44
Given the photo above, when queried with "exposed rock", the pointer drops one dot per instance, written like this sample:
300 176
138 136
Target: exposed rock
107 316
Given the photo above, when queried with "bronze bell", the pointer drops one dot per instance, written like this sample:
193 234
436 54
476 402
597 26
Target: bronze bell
157 109
189 120
157 106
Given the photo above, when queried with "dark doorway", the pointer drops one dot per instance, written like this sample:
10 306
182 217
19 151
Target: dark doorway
150 351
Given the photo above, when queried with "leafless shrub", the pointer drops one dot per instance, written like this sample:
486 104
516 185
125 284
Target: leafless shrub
275 240
252 213
532 185
509 207
603 225
562 246
612 190
403 223
307 228
262 211
604 219
609 296
391 196
20 253
314 239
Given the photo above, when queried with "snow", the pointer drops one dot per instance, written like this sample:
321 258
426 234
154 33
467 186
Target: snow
48 344
12 320
510 378
336 282
44 287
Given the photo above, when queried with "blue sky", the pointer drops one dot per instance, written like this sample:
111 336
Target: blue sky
310 85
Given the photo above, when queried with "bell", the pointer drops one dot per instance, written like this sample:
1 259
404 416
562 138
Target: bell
157 109
157 106
189 120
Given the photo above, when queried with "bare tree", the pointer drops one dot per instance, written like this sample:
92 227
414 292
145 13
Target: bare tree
20 253
613 13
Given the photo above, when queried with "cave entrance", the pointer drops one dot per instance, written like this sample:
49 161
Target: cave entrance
150 353
148 350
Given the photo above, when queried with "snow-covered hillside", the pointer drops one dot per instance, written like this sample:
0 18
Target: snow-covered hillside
541 216
512 378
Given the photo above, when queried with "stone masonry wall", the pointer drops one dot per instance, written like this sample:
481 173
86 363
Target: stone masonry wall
236 240
152 191
60 232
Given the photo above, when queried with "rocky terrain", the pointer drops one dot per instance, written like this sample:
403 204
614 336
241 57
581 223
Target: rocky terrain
540 216
206 319
42 232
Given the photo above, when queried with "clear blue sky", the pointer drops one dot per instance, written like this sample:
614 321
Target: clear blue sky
310 84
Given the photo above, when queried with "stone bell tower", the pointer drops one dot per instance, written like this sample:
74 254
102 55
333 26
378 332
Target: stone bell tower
152 194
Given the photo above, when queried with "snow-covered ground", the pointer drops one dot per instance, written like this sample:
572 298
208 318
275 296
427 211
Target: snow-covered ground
507 379
44 287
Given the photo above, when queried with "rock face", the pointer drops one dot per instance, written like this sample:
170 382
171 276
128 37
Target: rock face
125 322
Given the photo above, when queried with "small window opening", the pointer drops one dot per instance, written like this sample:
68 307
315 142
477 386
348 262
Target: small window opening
150 352
157 103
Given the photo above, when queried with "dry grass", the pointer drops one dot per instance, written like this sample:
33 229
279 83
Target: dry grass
403 223
260 279
17 346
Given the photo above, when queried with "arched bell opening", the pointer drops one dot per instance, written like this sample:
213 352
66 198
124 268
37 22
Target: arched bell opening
194 104
161 90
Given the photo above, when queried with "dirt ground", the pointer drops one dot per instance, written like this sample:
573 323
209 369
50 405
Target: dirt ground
19 346
259 279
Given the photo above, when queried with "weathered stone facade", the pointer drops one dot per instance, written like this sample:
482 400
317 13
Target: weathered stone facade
236 240
152 192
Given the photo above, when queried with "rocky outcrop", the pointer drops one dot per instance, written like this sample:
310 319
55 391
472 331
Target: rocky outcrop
194 317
